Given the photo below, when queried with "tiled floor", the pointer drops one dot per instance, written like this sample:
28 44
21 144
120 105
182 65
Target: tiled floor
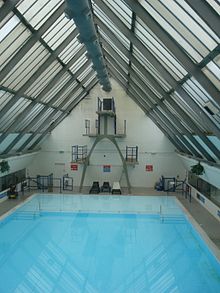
205 220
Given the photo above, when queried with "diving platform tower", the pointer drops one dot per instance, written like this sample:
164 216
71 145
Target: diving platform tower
105 129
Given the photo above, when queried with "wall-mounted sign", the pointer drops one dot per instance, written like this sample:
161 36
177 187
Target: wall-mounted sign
201 198
106 168
149 168
74 167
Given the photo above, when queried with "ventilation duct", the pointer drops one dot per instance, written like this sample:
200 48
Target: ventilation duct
80 12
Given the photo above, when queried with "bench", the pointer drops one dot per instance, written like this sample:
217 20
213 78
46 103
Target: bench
105 187
95 188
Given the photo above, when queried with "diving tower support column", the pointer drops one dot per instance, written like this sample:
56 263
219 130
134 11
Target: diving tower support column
113 140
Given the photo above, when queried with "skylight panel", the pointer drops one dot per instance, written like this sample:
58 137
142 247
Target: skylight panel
215 5
37 12
159 51
26 67
206 147
29 117
8 27
85 73
116 68
114 51
121 10
7 141
21 141
200 24
181 26
40 124
93 77
195 116
14 111
188 27
212 71
70 51
58 32
125 41
12 43
73 97
118 64
5 97
65 95
197 92
79 63
150 68
146 81
36 87
113 45
56 88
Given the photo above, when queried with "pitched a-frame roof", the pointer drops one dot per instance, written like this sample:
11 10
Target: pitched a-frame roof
164 53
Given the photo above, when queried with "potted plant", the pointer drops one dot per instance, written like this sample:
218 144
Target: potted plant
4 166
197 169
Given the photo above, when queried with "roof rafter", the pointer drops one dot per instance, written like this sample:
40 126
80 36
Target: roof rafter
175 121
176 86
175 48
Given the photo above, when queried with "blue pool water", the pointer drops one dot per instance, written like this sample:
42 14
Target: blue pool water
65 244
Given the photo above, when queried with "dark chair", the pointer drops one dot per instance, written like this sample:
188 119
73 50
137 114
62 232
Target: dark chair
106 187
95 188
12 193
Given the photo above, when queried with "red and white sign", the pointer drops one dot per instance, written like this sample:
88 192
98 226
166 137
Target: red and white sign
106 168
149 168
74 167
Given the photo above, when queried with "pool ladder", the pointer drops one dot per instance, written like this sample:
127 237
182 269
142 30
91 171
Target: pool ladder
26 215
165 217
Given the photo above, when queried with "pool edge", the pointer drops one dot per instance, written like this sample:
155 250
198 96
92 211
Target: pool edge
210 244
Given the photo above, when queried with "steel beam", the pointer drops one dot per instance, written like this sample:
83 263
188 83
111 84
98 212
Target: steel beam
39 116
60 119
172 117
178 141
207 13
24 113
199 111
31 41
123 84
140 46
40 70
7 7
173 138
173 46
186 145
175 124
182 113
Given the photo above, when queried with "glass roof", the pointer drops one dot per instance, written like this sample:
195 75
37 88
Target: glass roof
164 53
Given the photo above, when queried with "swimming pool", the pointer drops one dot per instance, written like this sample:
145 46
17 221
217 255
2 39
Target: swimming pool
103 244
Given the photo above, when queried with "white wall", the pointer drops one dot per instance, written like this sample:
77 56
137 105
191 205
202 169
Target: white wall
206 203
154 147
17 163
211 173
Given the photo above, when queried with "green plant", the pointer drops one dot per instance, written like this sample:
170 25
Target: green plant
4 166
197 169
